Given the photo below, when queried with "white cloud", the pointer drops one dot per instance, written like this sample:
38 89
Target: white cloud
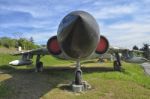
132 29
41 38
113 11
128 34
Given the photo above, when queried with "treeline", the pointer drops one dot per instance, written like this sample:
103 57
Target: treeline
145 48
15 43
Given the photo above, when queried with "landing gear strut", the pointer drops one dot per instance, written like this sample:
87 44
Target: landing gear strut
78 84
39 65
117 62
78 74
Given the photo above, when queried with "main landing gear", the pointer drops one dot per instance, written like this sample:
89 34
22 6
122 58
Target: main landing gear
117 62
39 64
78 84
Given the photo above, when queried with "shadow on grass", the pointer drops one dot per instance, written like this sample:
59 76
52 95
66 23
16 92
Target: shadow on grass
6 67
89 61
26 84
66 87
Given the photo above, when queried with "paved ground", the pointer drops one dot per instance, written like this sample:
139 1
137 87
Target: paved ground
146 67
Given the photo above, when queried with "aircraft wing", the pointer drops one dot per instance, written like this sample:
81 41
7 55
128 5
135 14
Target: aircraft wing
119 49
41 51
27 56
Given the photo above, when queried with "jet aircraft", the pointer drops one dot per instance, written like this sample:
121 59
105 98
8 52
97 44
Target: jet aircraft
78 38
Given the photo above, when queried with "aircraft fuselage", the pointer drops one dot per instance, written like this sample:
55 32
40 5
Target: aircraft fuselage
78 35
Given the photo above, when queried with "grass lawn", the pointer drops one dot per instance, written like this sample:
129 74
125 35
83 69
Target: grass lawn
53 83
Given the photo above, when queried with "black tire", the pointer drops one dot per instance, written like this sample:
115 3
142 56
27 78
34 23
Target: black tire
78 79
117 67
115 63
39 66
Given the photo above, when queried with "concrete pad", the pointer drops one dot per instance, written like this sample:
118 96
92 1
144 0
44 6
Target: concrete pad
80 88
77 88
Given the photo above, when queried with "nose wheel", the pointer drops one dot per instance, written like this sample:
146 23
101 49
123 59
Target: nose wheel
78 79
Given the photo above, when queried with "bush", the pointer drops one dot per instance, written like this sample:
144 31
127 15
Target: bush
24 43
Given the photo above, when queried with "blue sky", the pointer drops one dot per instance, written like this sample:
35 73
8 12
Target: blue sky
124 22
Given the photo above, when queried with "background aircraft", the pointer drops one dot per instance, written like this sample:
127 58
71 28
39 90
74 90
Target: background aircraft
129 55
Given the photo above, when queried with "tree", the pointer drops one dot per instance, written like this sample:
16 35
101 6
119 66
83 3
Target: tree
146 50
31 39
8 42
135 47
23 42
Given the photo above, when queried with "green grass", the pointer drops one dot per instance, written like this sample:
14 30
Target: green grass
52 61
6 58
131 72
4 90
131 83
47 61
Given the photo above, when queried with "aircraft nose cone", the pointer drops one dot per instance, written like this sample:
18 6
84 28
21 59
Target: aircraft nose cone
78 34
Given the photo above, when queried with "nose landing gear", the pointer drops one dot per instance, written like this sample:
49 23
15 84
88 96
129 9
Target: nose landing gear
78 84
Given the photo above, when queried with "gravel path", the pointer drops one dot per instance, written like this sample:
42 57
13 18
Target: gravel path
146 67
